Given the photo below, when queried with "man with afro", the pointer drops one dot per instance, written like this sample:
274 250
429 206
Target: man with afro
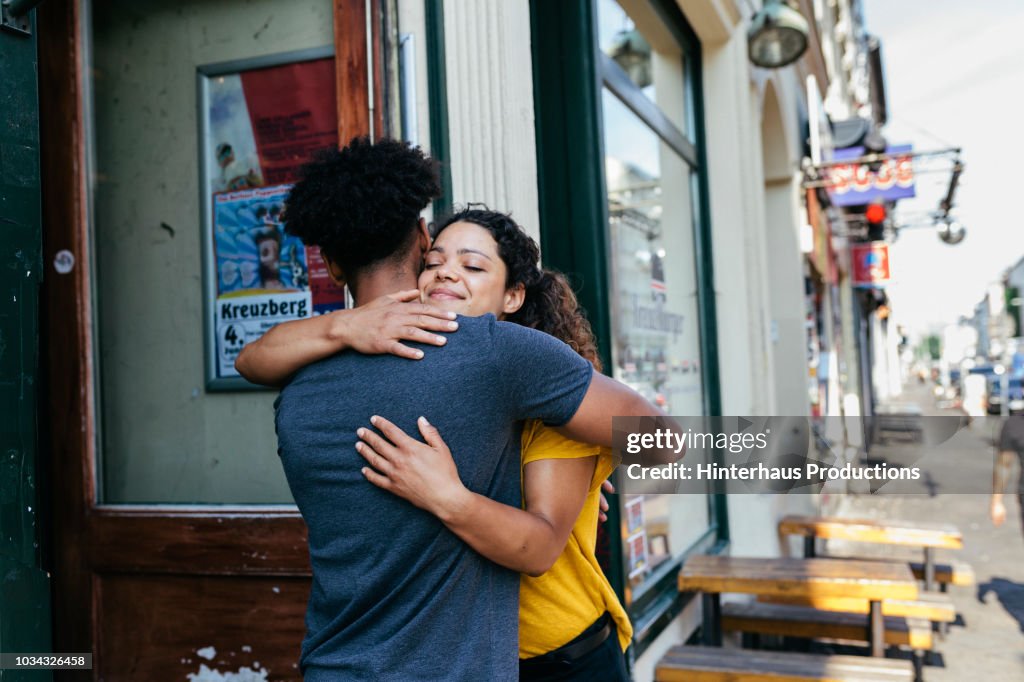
395 594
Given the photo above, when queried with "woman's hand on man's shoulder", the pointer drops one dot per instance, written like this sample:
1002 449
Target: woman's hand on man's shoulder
380 326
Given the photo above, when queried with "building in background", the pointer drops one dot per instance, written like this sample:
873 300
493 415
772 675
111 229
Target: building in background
1013 282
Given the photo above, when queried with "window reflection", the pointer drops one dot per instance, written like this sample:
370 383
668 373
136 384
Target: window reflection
641 46
656 334
655 323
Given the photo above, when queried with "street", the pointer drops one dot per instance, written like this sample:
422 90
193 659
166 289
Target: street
987 642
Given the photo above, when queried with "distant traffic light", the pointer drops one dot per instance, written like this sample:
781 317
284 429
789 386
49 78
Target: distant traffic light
875 215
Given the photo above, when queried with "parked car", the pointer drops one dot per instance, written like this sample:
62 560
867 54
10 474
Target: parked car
988 371
1014 393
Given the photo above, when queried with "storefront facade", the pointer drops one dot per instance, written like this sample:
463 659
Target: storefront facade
632 138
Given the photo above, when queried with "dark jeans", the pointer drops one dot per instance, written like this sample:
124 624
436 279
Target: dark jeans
606 663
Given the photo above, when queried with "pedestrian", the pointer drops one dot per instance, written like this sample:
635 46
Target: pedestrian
396 594
1011 442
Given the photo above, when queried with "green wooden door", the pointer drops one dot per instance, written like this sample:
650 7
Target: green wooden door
24 585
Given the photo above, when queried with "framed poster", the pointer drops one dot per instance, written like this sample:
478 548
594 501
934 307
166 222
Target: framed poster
634 513
637 548
260 120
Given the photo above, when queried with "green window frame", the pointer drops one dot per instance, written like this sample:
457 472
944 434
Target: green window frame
570 73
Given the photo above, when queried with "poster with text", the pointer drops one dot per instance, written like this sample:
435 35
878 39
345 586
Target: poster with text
263 125
262 273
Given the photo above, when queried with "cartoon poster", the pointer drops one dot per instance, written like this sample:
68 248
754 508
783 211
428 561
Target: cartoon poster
261 125
262 273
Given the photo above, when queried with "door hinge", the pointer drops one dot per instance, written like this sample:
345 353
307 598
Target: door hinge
14 15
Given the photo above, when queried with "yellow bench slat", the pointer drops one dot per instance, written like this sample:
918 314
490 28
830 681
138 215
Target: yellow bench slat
881 531
804 621
937 608
959 573
713 664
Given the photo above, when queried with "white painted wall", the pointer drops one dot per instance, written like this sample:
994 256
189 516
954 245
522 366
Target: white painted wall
783 258
490 106
725 114
675 633
753 523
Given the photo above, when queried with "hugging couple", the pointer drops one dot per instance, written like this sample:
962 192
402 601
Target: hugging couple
452 486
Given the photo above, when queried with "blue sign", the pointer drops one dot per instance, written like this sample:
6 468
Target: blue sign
854 184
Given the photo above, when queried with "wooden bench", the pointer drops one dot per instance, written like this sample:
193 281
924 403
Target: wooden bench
954 573
957 573
927 536
804 621
930 606
874 581
713 664
902 418
880 531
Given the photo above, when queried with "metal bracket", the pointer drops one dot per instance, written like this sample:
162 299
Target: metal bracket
15 23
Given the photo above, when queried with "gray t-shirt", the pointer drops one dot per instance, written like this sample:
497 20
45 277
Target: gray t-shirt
396 595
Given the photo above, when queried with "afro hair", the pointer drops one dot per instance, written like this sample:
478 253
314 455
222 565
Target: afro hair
361 204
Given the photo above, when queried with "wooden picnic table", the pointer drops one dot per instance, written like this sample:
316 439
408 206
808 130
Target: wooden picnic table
927 536
806 578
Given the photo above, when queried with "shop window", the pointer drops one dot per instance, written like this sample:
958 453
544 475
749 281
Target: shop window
652 180
655 321
158 164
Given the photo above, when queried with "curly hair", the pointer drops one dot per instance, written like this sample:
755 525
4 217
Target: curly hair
550 304
361 204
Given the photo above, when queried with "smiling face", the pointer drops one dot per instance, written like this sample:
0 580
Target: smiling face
270 252
463 273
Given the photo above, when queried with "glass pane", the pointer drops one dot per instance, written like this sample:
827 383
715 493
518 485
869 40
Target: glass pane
165 439
657 528
655 317
641 45
655 328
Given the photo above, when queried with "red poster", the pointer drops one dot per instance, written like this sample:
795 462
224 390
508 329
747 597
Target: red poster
293 111
870 264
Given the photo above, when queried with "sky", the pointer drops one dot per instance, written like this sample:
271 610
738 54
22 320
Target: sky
954 75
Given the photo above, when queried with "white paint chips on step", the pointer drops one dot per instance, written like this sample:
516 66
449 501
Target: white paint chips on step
244 674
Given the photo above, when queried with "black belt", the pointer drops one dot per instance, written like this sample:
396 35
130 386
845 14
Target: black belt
579 647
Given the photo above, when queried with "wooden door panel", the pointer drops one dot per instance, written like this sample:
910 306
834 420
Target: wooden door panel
160 627
209 542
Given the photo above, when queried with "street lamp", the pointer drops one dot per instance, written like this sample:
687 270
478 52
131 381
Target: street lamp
778 35
952 231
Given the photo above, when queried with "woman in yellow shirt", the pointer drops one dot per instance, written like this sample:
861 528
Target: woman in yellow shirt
571 624
557 605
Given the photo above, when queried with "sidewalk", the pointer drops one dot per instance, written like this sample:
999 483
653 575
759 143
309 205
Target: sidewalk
989 643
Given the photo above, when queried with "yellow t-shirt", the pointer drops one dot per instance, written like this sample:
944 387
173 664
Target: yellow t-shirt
557 606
